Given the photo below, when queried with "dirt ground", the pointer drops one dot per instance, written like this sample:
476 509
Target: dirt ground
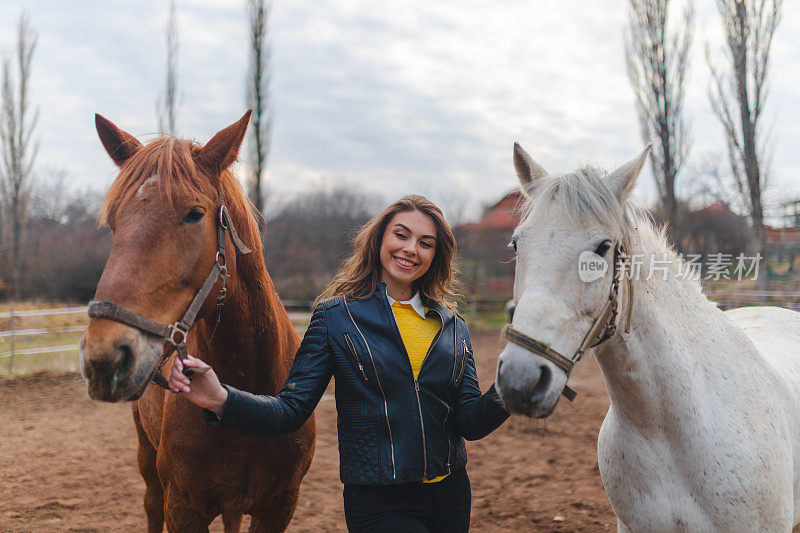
69 464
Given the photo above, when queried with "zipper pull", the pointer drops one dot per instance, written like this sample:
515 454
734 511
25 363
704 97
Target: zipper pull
416 385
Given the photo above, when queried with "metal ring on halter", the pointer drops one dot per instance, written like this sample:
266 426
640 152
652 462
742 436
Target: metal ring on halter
177 329
223 265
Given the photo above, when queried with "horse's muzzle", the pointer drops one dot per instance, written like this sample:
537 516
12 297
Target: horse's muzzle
117 362
527 383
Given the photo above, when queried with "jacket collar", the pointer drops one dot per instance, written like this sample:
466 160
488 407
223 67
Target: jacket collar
432 305
415 302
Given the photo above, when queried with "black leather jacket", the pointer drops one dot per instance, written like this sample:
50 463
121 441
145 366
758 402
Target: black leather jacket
392 428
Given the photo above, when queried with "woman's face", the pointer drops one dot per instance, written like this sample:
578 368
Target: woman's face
407 248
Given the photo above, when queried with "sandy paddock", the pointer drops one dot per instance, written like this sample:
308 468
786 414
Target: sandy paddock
68 464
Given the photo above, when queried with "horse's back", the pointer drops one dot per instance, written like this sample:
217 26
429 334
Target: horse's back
775 331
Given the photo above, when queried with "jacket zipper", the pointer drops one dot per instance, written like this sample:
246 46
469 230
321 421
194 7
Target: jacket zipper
352 349
378 380
447 434
416 381
455 352
416 391
463 359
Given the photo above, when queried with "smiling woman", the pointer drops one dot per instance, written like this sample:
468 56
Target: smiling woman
406 388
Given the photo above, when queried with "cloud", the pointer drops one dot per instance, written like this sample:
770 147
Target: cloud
421 96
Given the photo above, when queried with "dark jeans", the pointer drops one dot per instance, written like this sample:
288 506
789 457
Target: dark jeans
410 507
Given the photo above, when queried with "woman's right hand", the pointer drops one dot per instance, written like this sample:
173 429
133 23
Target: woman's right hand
204 389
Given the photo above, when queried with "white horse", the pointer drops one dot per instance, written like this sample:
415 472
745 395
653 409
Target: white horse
703 431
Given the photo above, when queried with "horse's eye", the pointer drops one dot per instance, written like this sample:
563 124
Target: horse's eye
513 243
603 248
194 216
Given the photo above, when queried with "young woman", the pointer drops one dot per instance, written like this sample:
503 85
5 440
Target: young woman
406 389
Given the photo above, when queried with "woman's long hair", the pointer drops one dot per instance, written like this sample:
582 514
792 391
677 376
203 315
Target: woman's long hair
360 273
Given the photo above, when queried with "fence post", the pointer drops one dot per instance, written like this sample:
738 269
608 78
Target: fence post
13 341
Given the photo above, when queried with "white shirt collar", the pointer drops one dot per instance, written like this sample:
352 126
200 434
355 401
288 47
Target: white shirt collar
415 302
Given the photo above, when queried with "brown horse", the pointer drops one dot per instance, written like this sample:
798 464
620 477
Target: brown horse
164 212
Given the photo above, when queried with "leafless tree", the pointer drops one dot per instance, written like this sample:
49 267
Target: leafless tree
258 81
738 93
50 195
18 149
166 106
657 60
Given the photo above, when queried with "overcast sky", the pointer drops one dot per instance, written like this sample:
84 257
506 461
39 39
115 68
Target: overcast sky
422 96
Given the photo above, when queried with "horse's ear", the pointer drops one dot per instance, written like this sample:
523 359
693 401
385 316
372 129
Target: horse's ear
623 179
119 144
528 170
223 149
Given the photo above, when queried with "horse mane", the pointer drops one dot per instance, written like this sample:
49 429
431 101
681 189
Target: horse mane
171 159
585 197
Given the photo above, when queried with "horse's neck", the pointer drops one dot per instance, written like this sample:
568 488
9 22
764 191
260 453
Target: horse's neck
250 341
678 344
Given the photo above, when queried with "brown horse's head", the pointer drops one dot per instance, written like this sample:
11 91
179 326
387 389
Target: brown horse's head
162 211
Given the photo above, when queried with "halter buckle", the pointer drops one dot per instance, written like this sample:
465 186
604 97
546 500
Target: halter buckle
177 334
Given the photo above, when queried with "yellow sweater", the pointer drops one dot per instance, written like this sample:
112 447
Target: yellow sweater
418 334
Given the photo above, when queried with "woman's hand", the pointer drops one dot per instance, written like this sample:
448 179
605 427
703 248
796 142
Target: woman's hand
204 389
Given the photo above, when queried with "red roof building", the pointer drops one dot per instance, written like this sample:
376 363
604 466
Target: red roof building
503 215
483 246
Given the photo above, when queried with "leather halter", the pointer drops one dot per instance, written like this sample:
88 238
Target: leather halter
603 328
176 333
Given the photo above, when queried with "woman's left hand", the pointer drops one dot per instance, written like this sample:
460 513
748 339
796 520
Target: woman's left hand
204 389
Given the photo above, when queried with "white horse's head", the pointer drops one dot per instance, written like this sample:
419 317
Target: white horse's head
564 267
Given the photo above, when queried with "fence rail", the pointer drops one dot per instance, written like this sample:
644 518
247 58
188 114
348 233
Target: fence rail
298 313
724 299
732 299
40 351
44 331
44 312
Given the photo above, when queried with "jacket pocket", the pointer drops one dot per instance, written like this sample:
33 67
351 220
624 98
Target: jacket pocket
352 349
359 459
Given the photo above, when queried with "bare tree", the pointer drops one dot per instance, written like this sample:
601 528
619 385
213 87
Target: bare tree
738 94
166 106
657 63
258 81
18 149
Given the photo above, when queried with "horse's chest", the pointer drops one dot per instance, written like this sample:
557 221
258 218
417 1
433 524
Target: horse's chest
227 466
642 496
658 484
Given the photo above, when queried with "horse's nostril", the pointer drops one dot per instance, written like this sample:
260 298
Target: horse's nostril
543 385
124 357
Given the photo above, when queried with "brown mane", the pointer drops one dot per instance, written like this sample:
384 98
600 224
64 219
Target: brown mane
172 160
